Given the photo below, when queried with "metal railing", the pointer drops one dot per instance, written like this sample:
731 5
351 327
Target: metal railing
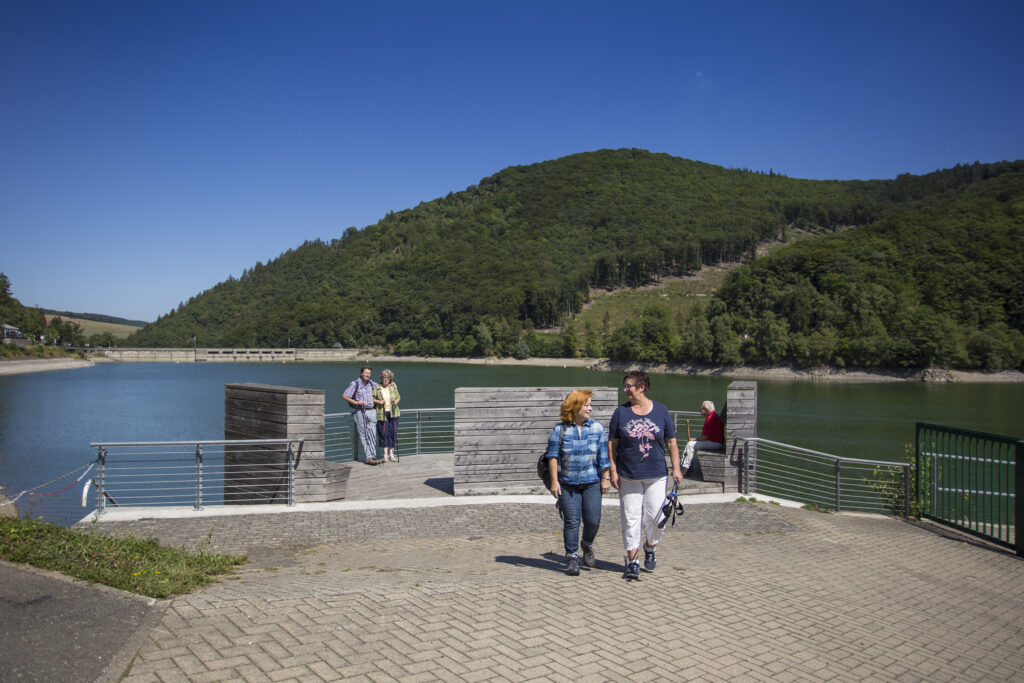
197 473
824 480
426 430
686 422
969 480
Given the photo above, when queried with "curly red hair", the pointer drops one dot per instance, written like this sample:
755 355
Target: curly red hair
573 404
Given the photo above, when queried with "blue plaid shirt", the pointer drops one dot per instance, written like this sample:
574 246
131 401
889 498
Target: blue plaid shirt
583 456
358 391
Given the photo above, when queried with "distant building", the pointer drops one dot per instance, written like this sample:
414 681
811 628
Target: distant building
11 332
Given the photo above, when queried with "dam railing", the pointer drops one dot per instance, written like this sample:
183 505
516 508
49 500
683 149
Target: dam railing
826 481
196 473
202 473
426 430
262 470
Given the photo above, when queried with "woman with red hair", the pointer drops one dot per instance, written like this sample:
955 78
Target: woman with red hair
578 461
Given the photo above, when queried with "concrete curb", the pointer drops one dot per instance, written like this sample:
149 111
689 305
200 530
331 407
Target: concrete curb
127 514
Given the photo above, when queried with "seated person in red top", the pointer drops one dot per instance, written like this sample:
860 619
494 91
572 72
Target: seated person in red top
712 437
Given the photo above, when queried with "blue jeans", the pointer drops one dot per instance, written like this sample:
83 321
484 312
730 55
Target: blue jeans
580 502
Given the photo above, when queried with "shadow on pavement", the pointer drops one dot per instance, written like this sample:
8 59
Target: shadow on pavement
555 562
549 561
442 484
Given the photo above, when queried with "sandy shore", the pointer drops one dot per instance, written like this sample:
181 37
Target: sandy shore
19 366
826 374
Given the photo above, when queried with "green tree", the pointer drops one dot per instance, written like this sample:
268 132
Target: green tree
593 348
725 342
570 341
484 340
624 344
770 339
697 342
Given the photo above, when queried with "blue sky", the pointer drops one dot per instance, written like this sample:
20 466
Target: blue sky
149 149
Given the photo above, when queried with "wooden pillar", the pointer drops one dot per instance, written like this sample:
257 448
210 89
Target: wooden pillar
741 422
259 411
740 416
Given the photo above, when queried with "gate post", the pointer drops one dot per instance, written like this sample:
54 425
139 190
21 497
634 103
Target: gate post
1019 495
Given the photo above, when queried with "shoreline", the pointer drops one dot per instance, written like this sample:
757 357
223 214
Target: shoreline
821 374
22 366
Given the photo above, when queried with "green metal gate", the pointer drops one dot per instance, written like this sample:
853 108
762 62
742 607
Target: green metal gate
969 480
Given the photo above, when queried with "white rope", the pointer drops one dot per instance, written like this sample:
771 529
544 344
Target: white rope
87 467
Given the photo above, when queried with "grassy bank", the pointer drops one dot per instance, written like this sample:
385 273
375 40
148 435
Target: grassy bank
133 564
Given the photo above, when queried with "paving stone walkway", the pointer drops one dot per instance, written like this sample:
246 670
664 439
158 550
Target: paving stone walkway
414 585
742 591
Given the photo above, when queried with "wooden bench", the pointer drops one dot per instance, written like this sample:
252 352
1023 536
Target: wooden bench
740 417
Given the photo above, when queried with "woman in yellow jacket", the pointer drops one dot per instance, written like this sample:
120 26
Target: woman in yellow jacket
385 400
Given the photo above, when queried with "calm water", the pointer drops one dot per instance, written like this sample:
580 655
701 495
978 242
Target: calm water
48 419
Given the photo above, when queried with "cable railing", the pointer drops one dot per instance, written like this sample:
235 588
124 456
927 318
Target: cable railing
196 473
687 423
420 431
260 471
823 480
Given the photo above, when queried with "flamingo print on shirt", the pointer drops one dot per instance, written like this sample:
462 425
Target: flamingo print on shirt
645 432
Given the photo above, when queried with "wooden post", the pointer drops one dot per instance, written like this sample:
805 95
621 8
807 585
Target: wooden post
259 411
727 465
741 421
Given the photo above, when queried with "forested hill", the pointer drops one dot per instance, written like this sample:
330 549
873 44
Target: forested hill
939 283
475 272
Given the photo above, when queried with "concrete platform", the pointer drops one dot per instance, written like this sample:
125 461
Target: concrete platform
473 589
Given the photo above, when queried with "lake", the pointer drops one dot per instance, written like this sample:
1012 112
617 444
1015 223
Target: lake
48 419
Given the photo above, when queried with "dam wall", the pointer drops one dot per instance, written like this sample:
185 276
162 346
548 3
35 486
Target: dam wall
260 355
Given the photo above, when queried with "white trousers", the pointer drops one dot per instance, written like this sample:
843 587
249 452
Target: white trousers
640 503
692 446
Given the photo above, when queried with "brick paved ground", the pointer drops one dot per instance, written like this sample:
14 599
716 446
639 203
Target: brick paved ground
742 591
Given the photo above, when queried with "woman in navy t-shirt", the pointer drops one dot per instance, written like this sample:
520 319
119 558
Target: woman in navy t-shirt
639 432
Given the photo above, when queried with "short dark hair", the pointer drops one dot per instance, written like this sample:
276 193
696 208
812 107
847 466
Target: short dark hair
639 378
365 367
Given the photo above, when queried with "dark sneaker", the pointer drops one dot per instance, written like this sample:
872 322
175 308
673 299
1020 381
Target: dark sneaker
588 557
649 561
573 567
632 569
